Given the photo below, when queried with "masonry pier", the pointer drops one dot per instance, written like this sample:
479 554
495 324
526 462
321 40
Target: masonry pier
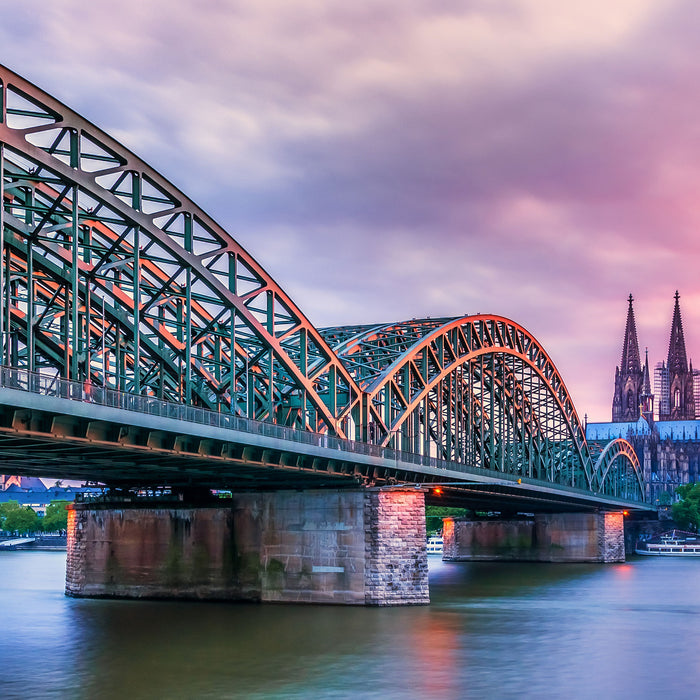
559 537
350 547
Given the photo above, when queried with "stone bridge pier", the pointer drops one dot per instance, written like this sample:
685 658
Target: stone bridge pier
349 547
557 537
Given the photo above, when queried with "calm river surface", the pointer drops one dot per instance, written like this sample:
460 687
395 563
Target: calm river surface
492 631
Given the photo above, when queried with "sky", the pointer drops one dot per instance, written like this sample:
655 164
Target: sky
390 160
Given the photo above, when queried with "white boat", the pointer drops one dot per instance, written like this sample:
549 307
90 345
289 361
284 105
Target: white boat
435 545
12 544
671 544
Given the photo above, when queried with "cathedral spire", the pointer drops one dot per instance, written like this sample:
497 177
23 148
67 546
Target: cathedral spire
679 402
677 358
646 389
630 346
628 376
647 398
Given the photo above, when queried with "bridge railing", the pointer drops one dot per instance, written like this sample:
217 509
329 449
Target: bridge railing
36 383
45 385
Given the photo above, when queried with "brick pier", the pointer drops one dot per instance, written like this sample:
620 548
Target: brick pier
558 537
348 547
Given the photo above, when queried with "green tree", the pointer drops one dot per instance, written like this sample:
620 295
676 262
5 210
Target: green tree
435 514
686 512
56 518
20 520
6 508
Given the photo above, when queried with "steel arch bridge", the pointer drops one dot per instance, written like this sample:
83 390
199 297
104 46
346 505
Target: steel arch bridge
112 277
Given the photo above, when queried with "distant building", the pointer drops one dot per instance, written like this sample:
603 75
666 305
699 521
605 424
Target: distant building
32 492
662 425
21 482
661 390
668 452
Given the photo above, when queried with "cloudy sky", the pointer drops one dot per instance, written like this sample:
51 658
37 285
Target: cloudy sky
396 159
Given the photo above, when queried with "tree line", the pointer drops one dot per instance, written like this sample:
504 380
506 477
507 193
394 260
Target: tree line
686 512
435 514
24 520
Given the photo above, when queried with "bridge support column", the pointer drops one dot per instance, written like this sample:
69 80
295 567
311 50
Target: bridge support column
352 547
559 537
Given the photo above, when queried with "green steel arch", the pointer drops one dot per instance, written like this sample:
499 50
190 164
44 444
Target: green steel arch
111 275
478 390
617 471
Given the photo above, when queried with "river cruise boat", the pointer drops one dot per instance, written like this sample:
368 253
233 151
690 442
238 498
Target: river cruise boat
675 543
435 545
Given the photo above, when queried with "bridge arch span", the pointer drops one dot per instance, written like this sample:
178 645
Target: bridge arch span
113 276
478 390
617 471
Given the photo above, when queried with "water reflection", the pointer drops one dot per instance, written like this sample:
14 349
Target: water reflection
493 630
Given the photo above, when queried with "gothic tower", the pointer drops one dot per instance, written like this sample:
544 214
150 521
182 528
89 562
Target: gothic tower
629 378
681 401
647 403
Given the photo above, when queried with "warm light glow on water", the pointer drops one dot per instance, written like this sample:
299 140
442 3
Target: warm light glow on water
492 631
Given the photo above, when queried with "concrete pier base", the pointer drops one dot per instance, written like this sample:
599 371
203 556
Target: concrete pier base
560 537
351 547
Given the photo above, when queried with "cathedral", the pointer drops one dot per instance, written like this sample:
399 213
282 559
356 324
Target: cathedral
673 379
663 425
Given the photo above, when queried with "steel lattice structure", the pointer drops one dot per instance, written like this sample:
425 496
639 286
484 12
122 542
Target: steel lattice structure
478 390
111 276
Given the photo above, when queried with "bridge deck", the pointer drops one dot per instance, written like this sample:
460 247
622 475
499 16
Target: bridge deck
54 428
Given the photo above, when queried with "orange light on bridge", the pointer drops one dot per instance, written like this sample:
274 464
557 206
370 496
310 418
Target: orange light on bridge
437 491
625 512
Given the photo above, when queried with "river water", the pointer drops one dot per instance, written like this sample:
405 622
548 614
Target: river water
492 631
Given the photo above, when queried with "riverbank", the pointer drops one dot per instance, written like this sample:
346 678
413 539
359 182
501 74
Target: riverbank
34 543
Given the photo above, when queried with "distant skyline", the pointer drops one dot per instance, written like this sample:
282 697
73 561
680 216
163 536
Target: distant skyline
385 161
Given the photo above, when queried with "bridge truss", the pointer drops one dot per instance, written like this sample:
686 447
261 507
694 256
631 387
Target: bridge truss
481 391
111 276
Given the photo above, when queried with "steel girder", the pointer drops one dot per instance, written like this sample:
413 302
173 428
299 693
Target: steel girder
479 390
111 275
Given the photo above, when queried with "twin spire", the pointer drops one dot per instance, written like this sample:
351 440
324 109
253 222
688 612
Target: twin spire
677 359
673 380
630 346
629 376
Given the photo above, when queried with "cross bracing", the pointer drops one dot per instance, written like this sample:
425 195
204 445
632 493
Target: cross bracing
478 390
111 276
